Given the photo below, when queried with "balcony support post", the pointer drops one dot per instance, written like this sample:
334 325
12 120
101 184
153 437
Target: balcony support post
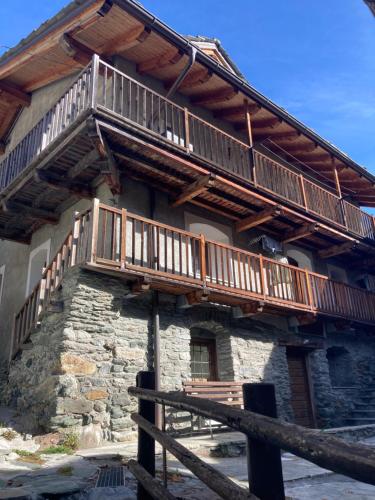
310 296
187 130
123 239
94 80
94 231
203 259
250 139
261 272
303 191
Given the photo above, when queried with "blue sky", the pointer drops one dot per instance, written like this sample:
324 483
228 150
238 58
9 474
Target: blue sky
315 59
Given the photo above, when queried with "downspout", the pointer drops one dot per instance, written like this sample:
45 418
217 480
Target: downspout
184 72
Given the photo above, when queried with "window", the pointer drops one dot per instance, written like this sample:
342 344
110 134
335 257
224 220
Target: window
2 277
38 260
203 360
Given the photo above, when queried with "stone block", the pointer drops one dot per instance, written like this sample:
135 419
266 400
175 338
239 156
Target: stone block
77 405
125 354
76 365
96 394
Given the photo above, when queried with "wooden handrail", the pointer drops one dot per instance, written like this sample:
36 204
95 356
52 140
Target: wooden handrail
351 459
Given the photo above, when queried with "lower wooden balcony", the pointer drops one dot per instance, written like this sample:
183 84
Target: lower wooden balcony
154 255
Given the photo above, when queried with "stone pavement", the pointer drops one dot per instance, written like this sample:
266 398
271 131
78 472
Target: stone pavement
73 477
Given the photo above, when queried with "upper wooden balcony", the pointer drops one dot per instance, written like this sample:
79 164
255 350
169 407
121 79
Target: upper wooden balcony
108 93
149 254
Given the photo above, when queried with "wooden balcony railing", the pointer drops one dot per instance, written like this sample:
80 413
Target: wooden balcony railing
270 175
101 87
114 239
67 109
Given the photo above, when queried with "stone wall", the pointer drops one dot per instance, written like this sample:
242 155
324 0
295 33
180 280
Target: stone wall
335 403
77 368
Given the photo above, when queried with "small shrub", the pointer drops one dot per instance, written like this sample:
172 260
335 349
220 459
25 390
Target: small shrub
24 453
9 435
29 457
66 470
71 441
60 448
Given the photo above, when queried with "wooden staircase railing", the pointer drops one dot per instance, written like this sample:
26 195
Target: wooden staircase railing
71 252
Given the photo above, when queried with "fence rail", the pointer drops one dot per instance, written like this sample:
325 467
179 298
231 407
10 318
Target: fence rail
103 87
266 436
117 239
287 184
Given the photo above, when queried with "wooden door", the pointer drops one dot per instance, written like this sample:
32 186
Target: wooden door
300 387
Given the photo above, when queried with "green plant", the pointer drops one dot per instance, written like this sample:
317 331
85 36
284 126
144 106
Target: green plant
9 435
71 441
29 457
24 453
60 448
66 470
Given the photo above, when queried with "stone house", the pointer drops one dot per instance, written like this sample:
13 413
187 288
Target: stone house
158 212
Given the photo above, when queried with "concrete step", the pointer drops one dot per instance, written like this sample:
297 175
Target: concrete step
360 421
364 406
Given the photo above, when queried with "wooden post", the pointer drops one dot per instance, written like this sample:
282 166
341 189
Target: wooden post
123 239
264 460
303 191
261 272
146 444
187 130
250 139
76 230
309 290
203 258
248 123
94 230
94 80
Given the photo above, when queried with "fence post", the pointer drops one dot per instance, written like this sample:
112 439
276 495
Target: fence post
146 444
94 80
263 460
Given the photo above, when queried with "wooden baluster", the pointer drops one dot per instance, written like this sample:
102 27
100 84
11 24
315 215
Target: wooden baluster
304 198
123 239
187 130
262 281
203 259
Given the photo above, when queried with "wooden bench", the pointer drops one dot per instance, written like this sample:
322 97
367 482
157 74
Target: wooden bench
227 393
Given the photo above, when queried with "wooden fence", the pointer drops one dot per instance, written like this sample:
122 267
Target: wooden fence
266 437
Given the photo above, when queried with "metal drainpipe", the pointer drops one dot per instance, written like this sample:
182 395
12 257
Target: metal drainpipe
155 318
184 72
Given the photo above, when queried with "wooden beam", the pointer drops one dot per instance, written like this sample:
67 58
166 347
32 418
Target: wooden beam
28 211
193 79
301 148
237 111
195 189
337 249
272 123
215 97
336 177
301 232
16 93
172 56
83 163
314 157
61 184
288 136
139 287
126 41
197 297
76 50
109 168
257 219
249 309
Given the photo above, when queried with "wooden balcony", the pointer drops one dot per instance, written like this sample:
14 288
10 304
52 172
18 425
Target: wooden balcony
103 91
154 255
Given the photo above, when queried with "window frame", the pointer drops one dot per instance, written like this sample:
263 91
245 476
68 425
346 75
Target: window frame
212 358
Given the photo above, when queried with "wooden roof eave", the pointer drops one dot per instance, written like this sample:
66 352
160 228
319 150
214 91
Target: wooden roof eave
88 14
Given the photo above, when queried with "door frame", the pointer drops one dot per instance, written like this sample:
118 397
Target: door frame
305 351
